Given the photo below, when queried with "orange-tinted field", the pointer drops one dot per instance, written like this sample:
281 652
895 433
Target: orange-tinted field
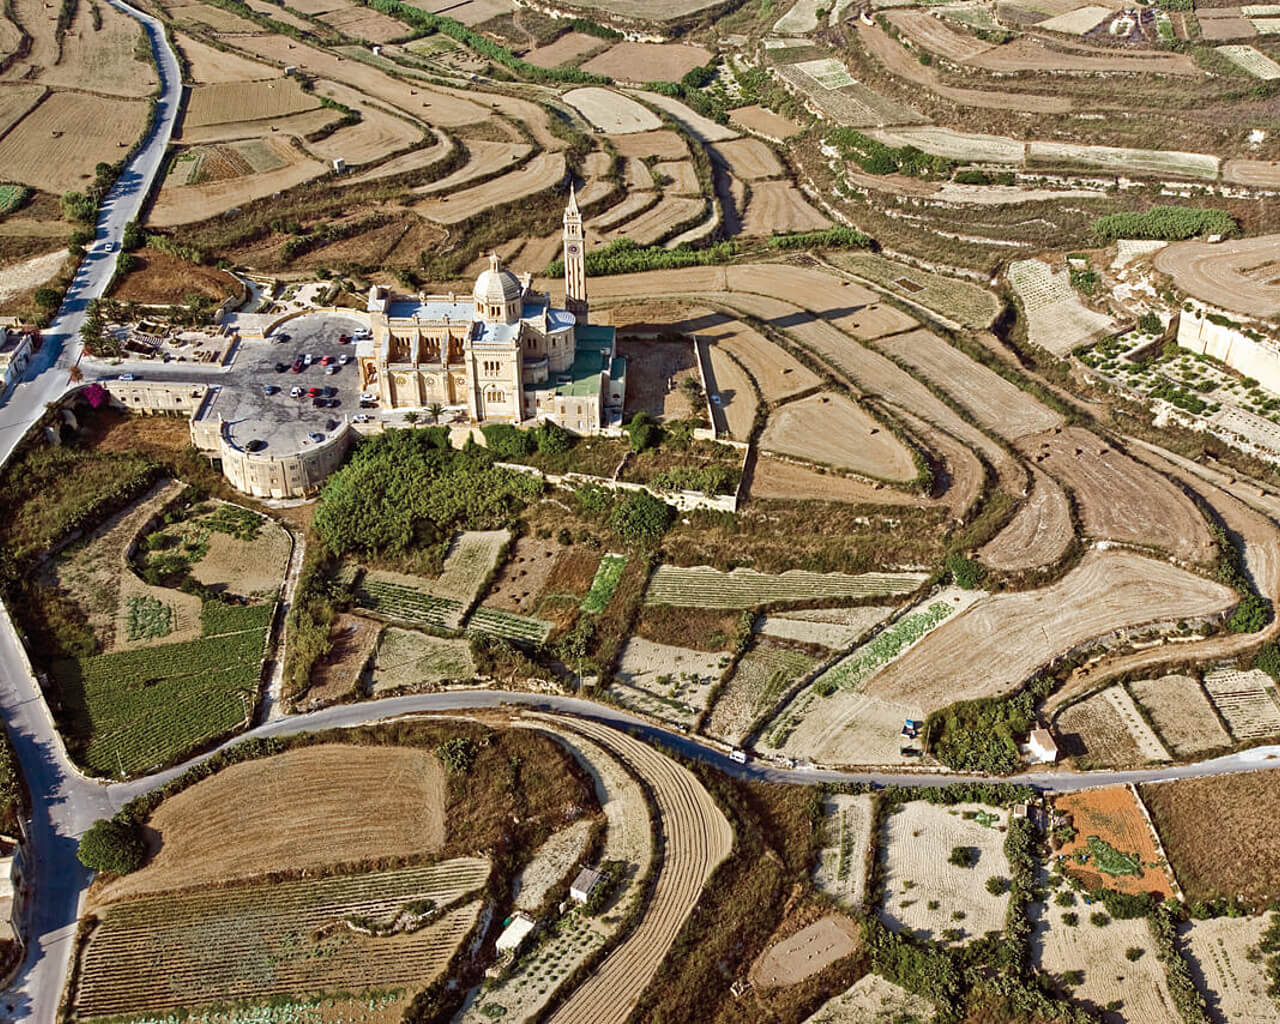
1113 815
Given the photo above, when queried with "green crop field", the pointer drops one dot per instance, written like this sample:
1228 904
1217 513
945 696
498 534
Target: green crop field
882 649
492 622
132 711
605 583
285 938
408 604
703 587
11 197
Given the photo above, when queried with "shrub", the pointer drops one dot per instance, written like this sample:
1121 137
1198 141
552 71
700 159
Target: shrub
1098 919
997 886
1150 323
48 298
507 442
457 754
640 518
963 856
643 433
1071 919
1134 953
113 844
1164 223
967 573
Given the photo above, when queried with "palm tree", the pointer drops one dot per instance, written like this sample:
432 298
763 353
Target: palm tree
411 417
436 410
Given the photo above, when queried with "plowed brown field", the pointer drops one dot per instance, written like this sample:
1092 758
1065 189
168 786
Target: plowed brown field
1113 815
1002 641
778 206
1039 532
1242 276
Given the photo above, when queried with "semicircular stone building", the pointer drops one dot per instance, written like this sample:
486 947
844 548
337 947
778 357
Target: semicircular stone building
503 354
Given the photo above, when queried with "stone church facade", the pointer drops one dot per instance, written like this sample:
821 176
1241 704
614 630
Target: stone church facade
503 354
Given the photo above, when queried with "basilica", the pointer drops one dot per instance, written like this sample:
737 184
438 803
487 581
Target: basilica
503 354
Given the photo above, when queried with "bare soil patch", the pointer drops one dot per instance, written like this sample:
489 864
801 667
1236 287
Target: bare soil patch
997 644
31 274
677 176
179 203
662 143
209 65
1118 498
1029 54
654 371
351 639
362 23
729 389
830 429
661 220
1259 173
1038 533
408 660
565 49
748 159
841 871
648 62
848 728
164 279
609 111
307 808
246 101
759 119
779 207
935 36
520 583
1227 968
787 481
804 954
1182 714
777 373
872 1000
1113 816
543 172
759 680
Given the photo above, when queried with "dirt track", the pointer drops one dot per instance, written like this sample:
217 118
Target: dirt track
1039 532
1118 498
1240 276
1001 641
697 839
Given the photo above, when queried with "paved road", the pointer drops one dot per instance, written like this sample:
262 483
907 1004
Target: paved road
47 377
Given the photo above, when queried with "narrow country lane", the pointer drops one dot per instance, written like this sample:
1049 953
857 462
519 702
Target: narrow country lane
47 378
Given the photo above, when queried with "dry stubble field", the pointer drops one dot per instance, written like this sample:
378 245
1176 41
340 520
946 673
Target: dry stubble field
698 838
1181 713
1118 498
1038 533
1226 967
1106 731
830 429
916 841
260 816
1238 275
1002 641
1229 852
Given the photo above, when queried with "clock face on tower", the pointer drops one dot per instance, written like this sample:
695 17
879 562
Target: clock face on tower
573 250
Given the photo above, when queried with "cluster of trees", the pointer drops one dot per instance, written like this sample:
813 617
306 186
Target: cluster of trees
967 573
1163 223
1254 611
836 237
693 95
114 844
410 488
507 442
482 45
623 256
877 158
637 517
982 735
83 206
976 177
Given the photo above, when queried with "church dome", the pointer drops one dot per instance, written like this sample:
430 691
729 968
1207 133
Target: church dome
497 286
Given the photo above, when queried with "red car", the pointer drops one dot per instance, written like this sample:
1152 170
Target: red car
344 339
297 366
312 392
326 360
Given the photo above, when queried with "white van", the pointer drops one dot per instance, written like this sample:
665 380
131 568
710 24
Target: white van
738 755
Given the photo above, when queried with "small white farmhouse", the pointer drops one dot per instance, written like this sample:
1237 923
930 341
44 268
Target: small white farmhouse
584 885
1042 747
516 931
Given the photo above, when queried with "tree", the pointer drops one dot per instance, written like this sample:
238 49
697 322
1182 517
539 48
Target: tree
967 573
411 417
692 390
114 845
435 410
640 518
963 856
643 433
48 298
458 754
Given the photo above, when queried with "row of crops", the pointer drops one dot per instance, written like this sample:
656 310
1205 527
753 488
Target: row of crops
257 940
608 573
875 654
508 626
408 604
135 710
704 587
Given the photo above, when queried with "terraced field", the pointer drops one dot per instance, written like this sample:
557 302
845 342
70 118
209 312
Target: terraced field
252 941
494 622
704 587
698 838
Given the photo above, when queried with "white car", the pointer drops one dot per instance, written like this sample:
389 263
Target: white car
368 396
127 376
344 359
317 437
364 334
330 371
362 417
307 359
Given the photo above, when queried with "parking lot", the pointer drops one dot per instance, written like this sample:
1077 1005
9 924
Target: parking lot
271 408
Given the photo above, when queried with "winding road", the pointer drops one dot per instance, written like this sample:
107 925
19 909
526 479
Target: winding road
48 376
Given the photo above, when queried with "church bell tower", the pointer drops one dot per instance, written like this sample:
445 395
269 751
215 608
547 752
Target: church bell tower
575 272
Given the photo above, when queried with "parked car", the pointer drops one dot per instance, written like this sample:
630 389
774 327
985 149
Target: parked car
128 376
334 403
330 370
368 405
344 339
281 337
364 334
317 437
282 367
269 389
319 403
256 445
307 358
313 392
361 417
368 397
326 360
330 391
297 367
295 392
344 358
